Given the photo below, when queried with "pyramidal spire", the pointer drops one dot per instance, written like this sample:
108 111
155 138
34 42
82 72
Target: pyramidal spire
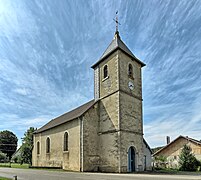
116 35
116 44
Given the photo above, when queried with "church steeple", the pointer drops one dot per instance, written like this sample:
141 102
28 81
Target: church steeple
116 35
118 93
116 44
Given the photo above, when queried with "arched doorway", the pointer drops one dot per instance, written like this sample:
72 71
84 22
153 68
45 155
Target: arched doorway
131 159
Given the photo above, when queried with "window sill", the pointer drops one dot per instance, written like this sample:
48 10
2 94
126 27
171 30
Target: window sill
65 152
105 78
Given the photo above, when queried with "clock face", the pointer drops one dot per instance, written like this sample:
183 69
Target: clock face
131 85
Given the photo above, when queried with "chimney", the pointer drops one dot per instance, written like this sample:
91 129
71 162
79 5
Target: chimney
168 139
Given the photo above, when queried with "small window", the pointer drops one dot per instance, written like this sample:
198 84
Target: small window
38 147
48 145
65 141
105 71
130 71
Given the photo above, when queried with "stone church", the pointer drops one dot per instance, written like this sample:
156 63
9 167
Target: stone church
106 133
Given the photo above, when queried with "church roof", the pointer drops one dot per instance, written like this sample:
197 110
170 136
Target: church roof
147 145
117 43
67 116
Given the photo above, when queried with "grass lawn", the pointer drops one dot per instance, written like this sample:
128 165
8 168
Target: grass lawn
26 166
2 178
23 166
175 171
14 165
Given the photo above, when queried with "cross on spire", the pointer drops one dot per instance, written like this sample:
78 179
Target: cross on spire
117 22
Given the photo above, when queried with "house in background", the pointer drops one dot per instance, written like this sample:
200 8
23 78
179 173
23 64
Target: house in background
173 149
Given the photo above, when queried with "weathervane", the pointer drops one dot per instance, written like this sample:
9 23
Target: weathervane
117 22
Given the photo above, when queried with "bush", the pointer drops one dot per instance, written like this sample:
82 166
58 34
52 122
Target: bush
16 158
3 157
160 162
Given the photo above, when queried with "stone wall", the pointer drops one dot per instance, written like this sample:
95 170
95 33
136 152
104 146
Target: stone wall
109 116
70 159
124 79
109 133
147 155
130 113
90 139
109 152
111 83
129 139
109 113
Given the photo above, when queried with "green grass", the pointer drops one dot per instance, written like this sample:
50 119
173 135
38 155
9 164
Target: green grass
4 164
26 166
3 178
176 171
23 166
14 165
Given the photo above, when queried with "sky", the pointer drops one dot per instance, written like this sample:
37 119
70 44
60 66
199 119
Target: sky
47 48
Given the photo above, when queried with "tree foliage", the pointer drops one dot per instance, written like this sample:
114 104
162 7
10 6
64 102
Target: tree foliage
156 149
160 162
3 157
8 143
187 160
27 146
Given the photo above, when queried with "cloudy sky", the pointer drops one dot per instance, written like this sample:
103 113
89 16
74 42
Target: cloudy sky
48 46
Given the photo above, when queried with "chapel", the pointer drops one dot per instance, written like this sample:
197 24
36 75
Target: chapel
106 133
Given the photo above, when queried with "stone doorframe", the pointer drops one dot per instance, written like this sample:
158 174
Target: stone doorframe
131 159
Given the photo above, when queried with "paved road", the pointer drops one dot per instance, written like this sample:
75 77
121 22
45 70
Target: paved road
30 174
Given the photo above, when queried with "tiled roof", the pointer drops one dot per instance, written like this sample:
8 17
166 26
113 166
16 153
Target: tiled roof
185 137
67 117
117 43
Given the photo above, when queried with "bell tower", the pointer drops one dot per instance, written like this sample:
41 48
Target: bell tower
118 91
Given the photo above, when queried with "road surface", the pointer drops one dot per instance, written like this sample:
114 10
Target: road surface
31 174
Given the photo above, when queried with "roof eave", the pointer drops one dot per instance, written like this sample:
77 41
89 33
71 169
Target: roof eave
40 131
190 139
78 116
103 58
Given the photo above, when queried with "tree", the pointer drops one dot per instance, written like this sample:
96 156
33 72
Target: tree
27 146
187 160
8 143
156 149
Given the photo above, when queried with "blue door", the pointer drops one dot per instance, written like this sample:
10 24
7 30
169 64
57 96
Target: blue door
131 159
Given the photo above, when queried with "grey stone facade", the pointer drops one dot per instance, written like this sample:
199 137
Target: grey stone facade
105 134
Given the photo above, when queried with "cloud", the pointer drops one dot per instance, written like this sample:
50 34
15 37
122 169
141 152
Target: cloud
46 54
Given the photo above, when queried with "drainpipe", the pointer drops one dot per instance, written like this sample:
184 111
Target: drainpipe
81 143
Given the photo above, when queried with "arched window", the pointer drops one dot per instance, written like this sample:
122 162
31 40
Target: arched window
38 147
48 145
65 141
130 70
105 71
